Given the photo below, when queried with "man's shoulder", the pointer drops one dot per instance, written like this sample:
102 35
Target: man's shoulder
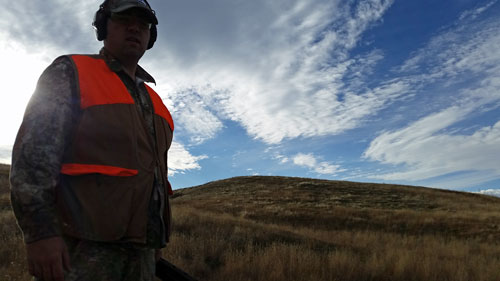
68 57
65 63
61 70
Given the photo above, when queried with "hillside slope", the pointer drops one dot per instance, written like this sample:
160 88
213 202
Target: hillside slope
325 204
282 228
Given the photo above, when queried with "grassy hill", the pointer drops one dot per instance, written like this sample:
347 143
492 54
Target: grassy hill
323 204
282 228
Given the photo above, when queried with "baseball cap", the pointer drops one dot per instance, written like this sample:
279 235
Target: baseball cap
118 6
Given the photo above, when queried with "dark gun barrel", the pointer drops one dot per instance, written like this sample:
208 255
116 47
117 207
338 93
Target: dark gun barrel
169 272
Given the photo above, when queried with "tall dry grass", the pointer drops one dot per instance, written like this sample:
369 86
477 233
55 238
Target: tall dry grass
274 229
222 247
12 254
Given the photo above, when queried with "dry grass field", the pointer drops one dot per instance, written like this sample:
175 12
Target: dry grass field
280 228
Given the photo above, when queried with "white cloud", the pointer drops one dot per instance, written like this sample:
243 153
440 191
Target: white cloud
180 160
279 69
194 117
310 161
472 14
466 48
430 151
491 192
281 158
5 154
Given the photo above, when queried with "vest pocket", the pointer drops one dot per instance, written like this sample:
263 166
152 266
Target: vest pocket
72 169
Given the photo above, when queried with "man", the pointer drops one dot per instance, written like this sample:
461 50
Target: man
89 165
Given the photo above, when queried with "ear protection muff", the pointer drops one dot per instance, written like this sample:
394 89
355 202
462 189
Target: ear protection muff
153 33
101 20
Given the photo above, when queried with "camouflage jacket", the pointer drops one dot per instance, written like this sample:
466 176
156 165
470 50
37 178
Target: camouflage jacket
45 133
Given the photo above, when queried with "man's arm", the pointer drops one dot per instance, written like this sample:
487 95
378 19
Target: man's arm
36 160
38 150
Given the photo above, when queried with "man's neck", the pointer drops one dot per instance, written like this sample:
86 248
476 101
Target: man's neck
129 65
130 69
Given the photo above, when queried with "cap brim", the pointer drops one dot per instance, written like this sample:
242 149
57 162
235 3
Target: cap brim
147 12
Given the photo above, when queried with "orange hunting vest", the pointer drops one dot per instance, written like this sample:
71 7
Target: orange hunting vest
108 169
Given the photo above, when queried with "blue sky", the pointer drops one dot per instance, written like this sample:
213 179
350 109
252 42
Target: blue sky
400 91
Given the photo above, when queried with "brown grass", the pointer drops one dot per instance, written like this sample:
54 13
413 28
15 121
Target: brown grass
277 228
220 247
12 255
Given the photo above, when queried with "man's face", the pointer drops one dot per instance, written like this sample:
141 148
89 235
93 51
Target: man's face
127 35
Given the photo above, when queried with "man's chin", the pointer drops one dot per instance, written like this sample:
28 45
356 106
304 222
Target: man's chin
133 53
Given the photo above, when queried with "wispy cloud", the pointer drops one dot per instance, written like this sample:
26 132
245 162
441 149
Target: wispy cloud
281 158
434 145
465 48
429 153
321 167
472 14
289 80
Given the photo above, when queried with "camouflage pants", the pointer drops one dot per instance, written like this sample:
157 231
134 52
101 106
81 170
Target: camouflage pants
97 261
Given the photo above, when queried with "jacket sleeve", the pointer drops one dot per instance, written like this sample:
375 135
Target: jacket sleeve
37 154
